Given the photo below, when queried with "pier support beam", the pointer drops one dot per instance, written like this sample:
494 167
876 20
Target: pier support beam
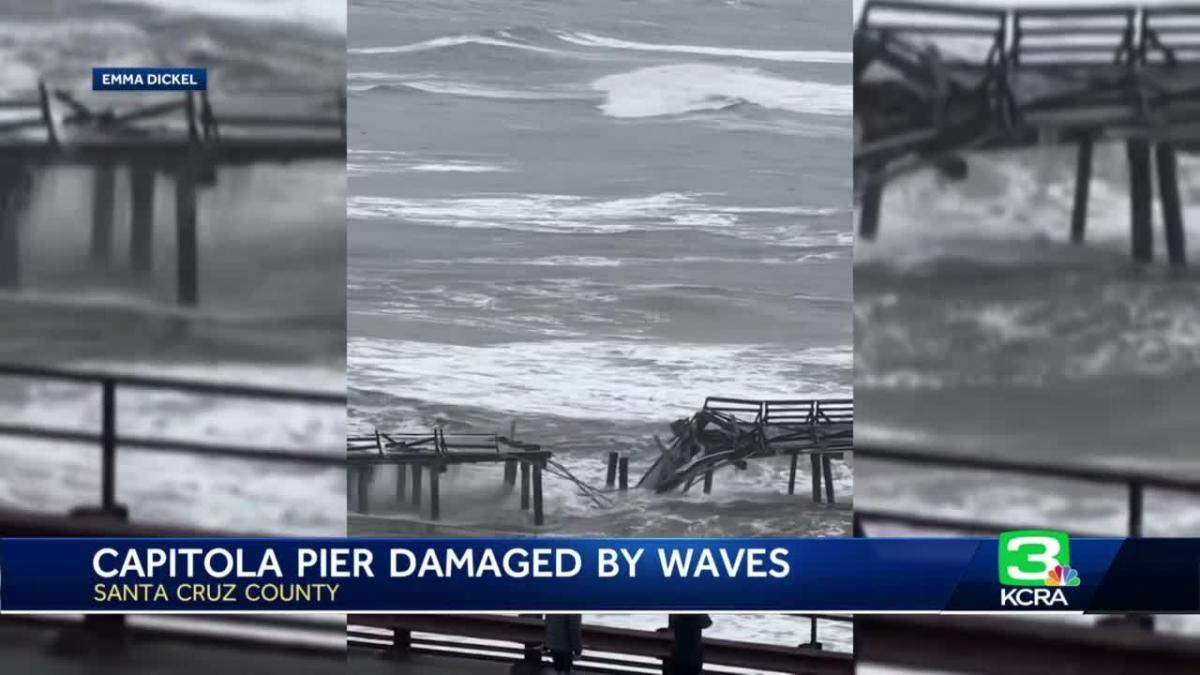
1140 198
623 473
435 491
141 228
539 515
185 227
1083 182
510 472
104 185
816 477
1168 187
708 482
610 476
792 473
10 247
364 489
827 471
416 485
872 200
524 486
401 483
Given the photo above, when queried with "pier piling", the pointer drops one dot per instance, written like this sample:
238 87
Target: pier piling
816 478
1083 181
610 477
708 482
141 232
185 227
827 471
401 483
872 200
623 473
364 490
104 185
1140 198
1168 186
416 486
510 472
524 486
10 248
792 473
435 473
539 516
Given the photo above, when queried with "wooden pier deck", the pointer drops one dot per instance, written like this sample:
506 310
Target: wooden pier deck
185 137
432 453
936 82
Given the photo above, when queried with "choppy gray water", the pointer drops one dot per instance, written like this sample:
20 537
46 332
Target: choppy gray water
588 218
272 261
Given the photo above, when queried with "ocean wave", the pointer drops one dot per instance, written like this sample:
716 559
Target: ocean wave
375 81
365 162
693 87
563 214
454 41
590 379
792 56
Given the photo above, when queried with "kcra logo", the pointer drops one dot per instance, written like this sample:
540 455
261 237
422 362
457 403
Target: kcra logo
1037 565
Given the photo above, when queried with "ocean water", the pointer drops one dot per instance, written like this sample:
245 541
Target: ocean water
979 329
272 270
587 217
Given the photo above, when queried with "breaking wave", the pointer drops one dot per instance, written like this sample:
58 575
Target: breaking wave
693 87
801 56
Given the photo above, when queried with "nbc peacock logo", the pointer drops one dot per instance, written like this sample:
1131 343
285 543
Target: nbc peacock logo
1038 564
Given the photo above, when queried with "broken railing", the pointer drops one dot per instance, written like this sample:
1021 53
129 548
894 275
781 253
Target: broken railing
729 432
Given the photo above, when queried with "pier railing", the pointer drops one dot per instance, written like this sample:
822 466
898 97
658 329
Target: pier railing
109 438
522 636
1135 484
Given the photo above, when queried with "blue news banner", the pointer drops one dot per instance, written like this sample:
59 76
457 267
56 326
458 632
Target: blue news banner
1020 571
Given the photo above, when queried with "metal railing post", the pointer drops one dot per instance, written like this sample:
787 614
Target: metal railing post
108 444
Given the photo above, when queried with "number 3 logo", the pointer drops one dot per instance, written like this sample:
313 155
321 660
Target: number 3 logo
1027 556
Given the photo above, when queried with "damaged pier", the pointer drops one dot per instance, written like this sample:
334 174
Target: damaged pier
936 82
181 138
731 432
418 455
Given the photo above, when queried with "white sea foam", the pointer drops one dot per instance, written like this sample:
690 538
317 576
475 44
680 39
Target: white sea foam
795 56
579 214
451 41
691 87
590 379
321 14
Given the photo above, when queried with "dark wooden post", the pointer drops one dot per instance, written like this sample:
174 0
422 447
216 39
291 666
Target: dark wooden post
435 473
792 474
104 185
827 471
872 200
185 227
623 473
1140 193
1083 181
1135 509
401 483
524 486
141 233
108 435
1168 187
510 472
10 247
539 516
416 485
610 476
708 482
401 639
816 477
